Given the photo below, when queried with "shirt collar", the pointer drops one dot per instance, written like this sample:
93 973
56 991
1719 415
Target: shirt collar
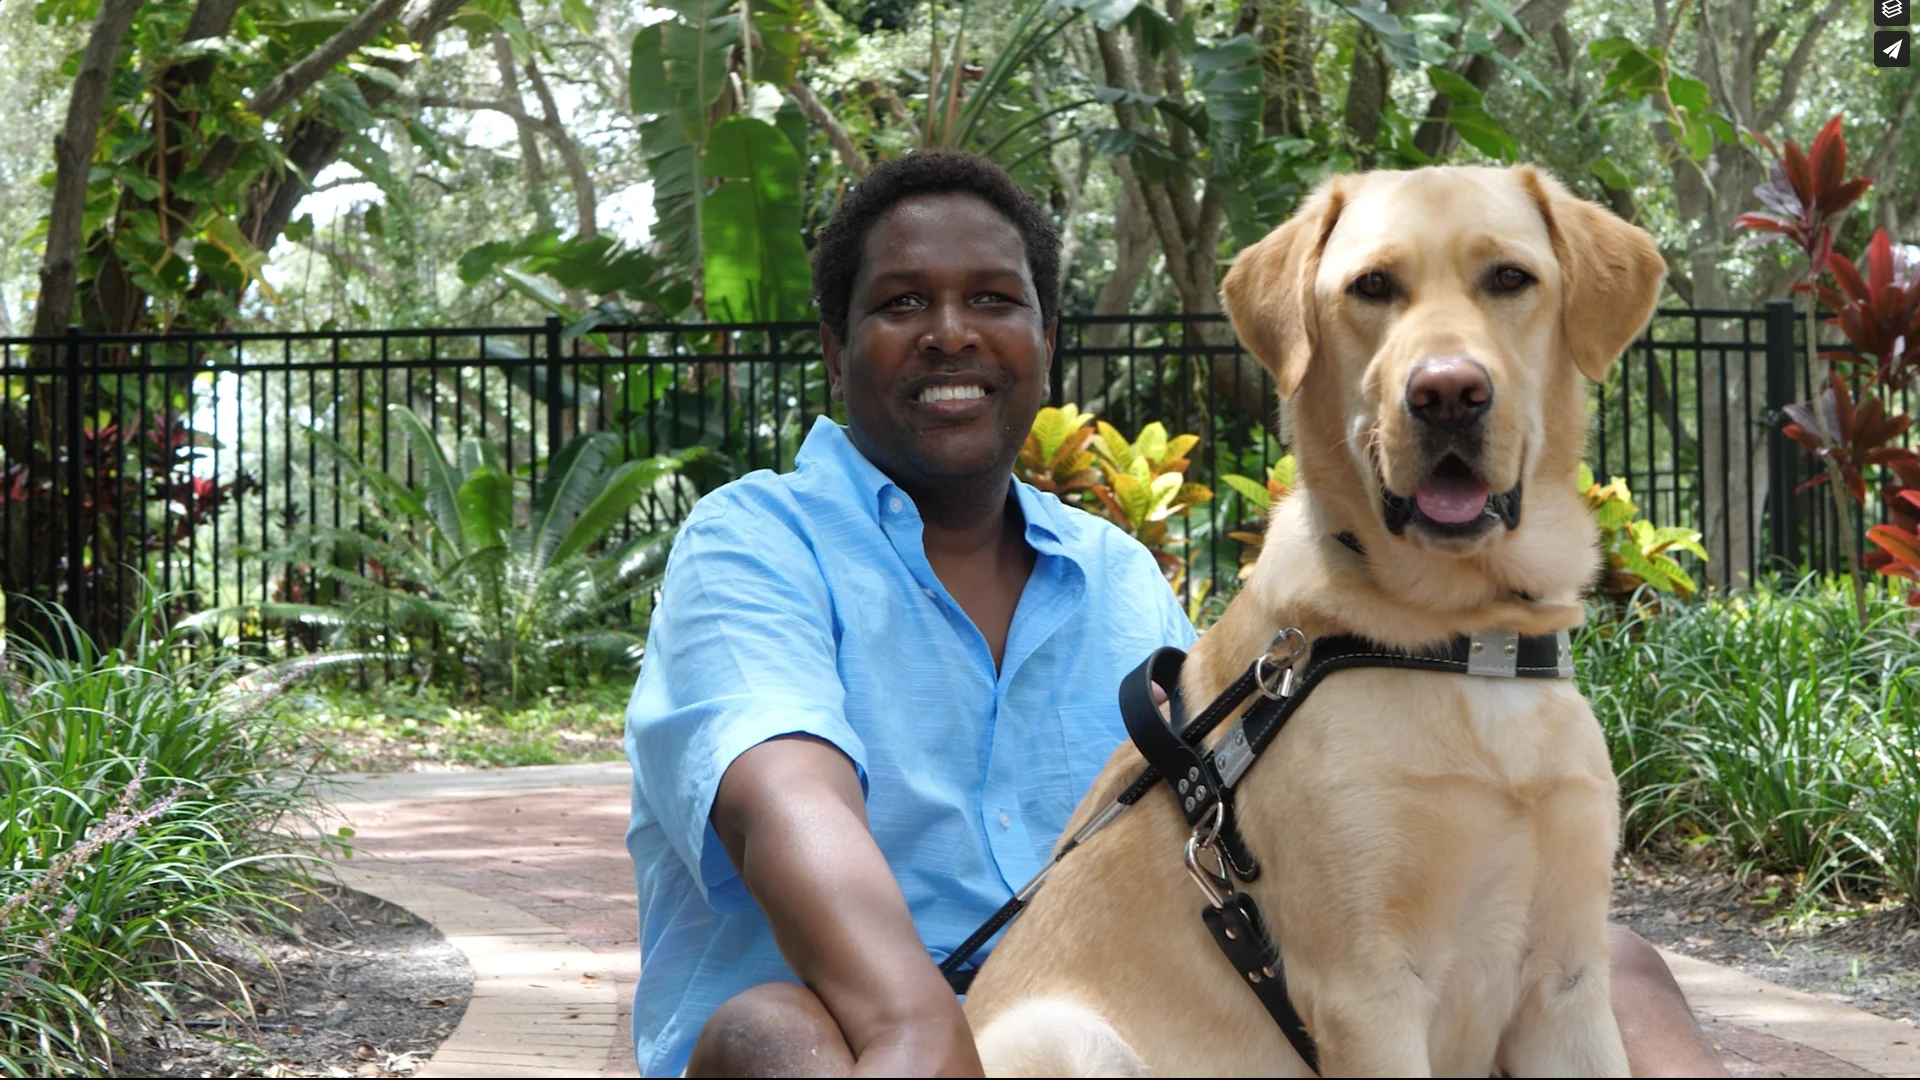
827 446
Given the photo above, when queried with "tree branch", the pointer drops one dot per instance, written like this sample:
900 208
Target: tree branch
1890 145
817 111
530 161
314 142
294 81
586 204
1535 17
1796 63
73 160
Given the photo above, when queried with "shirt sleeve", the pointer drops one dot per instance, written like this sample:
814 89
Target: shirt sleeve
740 650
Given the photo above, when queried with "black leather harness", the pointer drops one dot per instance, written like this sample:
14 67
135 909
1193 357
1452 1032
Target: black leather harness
1203 781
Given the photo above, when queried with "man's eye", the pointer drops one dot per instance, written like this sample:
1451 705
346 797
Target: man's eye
903 302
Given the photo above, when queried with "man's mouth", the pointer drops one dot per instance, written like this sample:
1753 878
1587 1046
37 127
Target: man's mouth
950 392
1453 501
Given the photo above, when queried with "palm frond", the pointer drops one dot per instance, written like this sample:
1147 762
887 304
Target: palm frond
442 482
575 479
623 488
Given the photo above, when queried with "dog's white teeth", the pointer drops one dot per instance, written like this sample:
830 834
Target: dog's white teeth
952 393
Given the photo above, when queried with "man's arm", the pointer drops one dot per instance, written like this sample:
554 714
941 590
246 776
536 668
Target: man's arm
792 818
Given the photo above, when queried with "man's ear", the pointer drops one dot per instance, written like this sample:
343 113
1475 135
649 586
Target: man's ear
1268 293
830 352
1610 273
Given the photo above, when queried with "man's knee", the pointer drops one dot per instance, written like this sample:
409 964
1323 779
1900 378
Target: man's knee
775 1029
1635 961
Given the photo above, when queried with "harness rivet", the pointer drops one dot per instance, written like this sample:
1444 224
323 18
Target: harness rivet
1193 772
1269 971
1254 976
1479 646
1200 792
1509 649
1189 804
1232 933
1183 787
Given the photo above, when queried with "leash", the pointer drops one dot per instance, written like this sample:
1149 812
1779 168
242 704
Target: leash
1203 783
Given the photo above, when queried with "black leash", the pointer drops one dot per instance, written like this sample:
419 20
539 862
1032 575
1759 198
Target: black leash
1203 783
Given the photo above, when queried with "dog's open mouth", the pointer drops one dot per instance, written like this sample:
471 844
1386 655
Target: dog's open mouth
1453 501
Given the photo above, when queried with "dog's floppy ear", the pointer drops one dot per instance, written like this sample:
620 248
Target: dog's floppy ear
1268 293
1610 273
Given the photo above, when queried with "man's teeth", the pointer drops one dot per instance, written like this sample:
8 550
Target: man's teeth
951 393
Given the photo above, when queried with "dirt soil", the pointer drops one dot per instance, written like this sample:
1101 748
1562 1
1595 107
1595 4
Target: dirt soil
1867 956
361 988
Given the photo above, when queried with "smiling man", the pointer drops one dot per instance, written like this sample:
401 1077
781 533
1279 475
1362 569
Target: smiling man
875 687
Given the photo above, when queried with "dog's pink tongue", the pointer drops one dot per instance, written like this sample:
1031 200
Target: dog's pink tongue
1452 500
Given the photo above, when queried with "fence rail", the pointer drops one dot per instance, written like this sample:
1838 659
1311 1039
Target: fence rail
185 457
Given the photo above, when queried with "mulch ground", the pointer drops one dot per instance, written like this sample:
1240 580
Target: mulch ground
1853 950
358 988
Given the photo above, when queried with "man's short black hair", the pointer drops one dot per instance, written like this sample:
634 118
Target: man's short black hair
843 242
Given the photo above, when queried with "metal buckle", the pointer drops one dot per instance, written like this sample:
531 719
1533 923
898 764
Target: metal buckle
1214 882
1495 653
1564 640
1273 673
1234 753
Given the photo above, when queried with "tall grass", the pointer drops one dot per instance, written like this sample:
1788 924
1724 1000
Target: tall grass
1773 723
148 803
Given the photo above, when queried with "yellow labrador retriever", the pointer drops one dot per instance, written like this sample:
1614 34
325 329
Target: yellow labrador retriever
1436 846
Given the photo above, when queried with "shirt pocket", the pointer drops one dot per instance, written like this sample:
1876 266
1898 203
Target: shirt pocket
1089 734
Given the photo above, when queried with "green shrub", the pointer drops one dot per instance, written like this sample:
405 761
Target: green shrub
147 804
1771 723
480 587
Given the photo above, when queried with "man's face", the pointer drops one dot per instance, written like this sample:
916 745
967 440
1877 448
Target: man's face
946 357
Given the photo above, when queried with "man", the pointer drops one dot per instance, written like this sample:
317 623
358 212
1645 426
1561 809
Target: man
875 688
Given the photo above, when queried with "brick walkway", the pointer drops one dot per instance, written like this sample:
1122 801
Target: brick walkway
549 843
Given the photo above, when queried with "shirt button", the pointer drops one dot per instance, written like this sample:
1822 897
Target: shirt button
1005 821
894 504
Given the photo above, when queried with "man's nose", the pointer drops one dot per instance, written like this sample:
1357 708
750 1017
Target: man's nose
949 329
1449 392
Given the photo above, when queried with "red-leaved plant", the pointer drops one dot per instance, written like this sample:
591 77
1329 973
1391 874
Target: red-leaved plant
1879 313
1807 192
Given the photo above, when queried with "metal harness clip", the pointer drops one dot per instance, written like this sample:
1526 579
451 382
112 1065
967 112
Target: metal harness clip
1272 672
1214 882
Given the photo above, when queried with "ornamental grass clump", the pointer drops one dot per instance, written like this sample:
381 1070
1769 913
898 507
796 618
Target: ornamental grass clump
1774 726
150 808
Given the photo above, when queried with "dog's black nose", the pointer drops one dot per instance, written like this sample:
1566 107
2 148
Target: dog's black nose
1449 391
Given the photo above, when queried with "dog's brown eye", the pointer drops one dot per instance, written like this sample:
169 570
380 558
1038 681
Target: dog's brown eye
1372 285
1510 279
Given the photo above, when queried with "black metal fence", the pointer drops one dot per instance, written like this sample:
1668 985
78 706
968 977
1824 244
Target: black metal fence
187 457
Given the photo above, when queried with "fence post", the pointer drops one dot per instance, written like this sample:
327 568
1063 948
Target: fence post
553 390
1783 473
76 478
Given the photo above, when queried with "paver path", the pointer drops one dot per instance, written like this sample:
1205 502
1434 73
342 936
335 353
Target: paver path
527 870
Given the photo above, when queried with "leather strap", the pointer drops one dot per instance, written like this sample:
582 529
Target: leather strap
1242 935
1197 786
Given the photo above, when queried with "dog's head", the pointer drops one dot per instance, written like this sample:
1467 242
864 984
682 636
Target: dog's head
1434 325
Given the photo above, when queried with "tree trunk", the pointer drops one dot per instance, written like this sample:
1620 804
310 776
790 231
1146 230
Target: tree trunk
585 203
73 160
530 162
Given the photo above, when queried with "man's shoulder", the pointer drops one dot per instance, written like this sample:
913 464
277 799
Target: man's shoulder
1087 536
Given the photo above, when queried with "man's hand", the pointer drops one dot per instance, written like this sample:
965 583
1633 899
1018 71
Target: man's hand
791 816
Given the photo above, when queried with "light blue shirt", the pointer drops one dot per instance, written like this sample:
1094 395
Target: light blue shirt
804 603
